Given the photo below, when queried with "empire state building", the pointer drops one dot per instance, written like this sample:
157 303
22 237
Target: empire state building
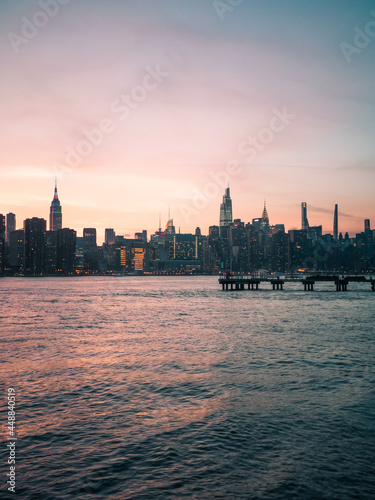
55 213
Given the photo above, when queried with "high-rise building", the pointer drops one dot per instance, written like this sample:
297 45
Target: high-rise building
110 237
226 217
213 232
50 256
66 250
184 247
256 223
336 223
55 213
169 228
35 230
142 235
304 221
11 225
367 225
89 238
91 256
265 222
16 250
139 256
237 239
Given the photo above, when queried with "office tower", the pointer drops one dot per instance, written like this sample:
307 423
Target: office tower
79 258
11 225
35 230
299 248
66 250
16 250
50 256
55 213
336 224
304 222
139 256
142 235
213 232
226 209
279 251
109 237
198 231
89 238
184 247
238 252
277 228
169 228
367 225
225 214
256 223
265 223
91 256
315 232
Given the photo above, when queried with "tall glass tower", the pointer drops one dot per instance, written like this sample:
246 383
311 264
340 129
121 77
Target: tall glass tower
304 221
226 209
55 213
336 223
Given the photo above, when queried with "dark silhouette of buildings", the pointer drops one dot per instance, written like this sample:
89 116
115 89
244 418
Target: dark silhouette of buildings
233 246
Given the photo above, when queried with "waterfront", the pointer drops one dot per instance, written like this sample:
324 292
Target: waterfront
168 387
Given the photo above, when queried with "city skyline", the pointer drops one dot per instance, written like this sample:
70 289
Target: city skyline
225 217
143 105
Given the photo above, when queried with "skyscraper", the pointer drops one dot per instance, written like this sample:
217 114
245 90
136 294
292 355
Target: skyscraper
35 231
225 213
109 236
304 221
16 250
265 222
367 225
11 225
55 213
89 238
90 249
66 250
336 224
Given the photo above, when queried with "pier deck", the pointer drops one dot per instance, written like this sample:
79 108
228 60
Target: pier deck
252 283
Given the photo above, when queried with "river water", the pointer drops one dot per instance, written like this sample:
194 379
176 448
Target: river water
169 387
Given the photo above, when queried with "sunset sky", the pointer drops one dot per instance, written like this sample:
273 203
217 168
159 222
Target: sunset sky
180 89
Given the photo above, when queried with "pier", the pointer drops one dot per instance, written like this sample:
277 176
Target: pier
248 282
